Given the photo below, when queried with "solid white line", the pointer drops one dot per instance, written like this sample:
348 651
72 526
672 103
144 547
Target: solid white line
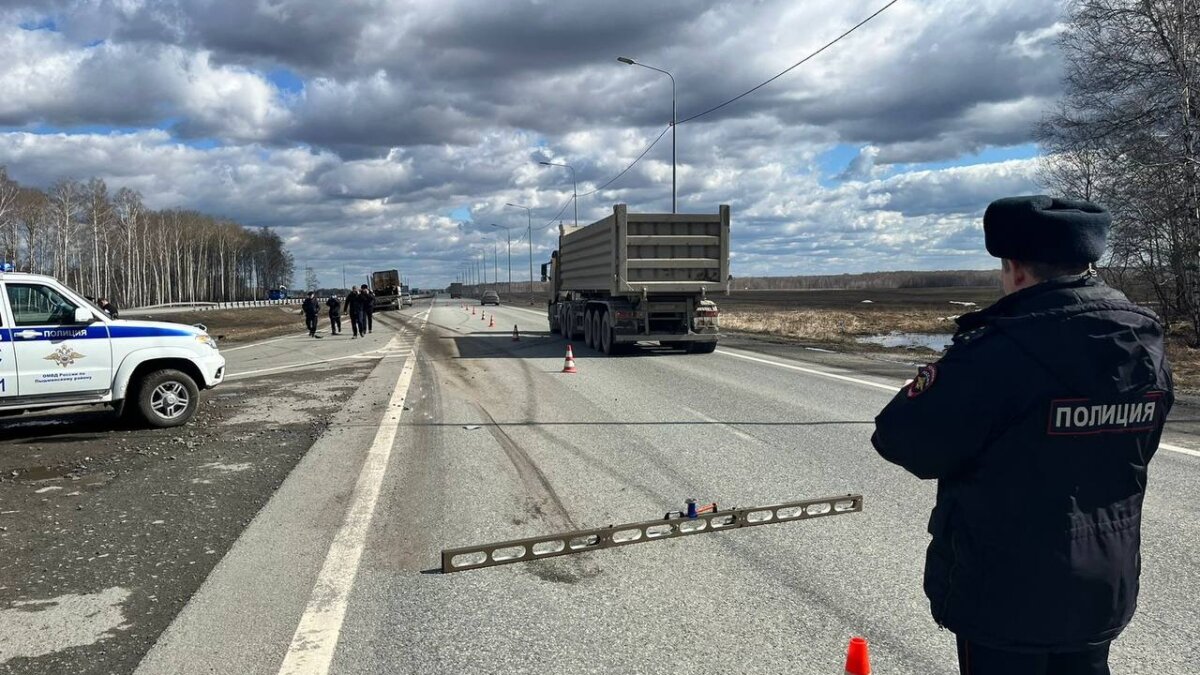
258 344
1179 449
1165 446
316 637
810 371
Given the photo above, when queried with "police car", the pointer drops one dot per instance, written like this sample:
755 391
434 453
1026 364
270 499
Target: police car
57 349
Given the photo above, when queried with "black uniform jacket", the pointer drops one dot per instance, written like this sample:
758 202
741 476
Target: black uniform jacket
334 305
1038 423
356 303
311 307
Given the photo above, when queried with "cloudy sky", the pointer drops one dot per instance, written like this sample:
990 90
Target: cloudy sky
391 133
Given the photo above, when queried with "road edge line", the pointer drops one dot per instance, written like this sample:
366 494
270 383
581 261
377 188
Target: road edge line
317 634
811 371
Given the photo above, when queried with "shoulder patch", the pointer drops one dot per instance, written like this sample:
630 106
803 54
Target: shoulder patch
926 376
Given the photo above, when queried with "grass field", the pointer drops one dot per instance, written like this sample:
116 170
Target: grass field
837 318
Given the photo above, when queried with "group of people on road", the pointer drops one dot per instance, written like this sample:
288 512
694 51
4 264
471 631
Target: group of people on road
359 304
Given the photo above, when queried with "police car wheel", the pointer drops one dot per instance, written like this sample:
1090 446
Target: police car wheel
167 398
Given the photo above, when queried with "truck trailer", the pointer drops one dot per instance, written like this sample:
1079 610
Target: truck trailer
640 277
386 286
456 290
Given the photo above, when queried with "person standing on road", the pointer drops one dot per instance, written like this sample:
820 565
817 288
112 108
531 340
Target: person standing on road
1038 424
354 307
370 308
312 310
335 314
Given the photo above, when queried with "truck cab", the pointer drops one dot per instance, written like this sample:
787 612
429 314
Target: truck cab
57 349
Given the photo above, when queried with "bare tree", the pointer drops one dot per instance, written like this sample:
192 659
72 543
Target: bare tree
1127 134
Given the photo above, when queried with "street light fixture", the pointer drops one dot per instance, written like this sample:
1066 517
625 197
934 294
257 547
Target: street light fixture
631 62
574 189
529 218
508 236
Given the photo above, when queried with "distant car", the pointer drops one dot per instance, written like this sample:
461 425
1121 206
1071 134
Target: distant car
490 298
406 300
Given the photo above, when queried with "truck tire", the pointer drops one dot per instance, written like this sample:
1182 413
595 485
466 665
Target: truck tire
607 344
564 324
703 347
167 398
587 328
596 316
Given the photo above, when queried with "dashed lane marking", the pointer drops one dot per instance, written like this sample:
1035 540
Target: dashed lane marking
316 636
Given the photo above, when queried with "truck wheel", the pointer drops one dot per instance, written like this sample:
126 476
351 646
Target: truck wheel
167 398
587 328
564 325
606 337
596 331
703 347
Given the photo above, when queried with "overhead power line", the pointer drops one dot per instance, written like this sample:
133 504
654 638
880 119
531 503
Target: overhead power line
717 107
792 67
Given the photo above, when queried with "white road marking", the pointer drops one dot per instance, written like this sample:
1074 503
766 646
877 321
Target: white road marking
317 634
729 427
1165 446
259 344
1179 449
878 385
371 354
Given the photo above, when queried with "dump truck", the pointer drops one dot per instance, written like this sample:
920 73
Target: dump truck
640 277
386 286
455 290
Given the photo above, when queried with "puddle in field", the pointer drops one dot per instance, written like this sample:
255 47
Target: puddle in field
34 628
935 341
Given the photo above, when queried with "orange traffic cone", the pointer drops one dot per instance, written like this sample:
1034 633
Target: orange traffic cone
569 364
483 315
516 334
472 311
858 660
492 323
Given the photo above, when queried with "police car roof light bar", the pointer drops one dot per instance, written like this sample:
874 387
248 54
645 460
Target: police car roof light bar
676 524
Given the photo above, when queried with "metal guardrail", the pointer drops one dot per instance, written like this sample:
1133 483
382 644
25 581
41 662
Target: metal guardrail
581 541
208 306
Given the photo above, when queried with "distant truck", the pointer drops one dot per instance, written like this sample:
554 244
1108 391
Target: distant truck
386 286
635 277
455 290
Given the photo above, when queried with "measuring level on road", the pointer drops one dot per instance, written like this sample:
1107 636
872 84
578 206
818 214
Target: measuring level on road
581 541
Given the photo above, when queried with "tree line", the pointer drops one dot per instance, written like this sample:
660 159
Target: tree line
111 245
1126 134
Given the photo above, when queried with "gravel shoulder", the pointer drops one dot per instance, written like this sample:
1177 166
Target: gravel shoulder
120 526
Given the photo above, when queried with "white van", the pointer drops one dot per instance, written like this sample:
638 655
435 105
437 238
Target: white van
57 349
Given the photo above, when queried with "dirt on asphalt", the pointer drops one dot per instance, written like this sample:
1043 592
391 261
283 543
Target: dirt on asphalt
232 326
121 525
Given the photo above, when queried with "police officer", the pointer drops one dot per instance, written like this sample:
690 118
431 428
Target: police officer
334 303
312 309
355 308
1038 424
369 314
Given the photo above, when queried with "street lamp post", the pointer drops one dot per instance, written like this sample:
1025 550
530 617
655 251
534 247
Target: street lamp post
508 237
529 219
574 189
631 62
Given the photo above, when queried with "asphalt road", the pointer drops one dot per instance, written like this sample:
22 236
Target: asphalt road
107 529
478 438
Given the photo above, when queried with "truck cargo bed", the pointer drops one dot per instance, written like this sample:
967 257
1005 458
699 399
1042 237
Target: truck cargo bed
628 254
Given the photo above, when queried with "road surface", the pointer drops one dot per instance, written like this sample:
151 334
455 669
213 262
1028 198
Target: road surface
481 439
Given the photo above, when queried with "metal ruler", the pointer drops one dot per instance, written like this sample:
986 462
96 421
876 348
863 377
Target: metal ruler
675 524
